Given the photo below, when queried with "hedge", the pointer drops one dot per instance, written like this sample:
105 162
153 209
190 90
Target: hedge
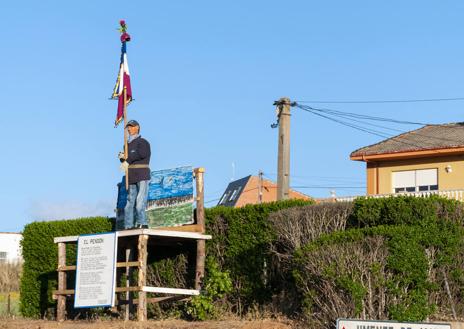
407 210
417 242
240 245
400 258
40 253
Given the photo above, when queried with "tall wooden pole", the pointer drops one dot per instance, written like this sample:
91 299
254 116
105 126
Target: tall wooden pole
283 158
126 150
201 247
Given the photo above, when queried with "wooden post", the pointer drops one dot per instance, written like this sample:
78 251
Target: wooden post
201 249
61 305
283 158
260 187
142 277
8 305
128 293
126 150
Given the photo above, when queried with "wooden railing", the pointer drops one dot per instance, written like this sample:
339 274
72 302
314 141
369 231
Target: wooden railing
451 194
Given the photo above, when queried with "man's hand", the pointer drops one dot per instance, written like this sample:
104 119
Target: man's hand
121 156
124 166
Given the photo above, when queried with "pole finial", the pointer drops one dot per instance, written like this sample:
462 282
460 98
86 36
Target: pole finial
123 30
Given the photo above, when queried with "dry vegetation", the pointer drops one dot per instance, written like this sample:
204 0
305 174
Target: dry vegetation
9 276
296 227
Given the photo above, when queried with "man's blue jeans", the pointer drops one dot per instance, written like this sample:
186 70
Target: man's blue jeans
136 199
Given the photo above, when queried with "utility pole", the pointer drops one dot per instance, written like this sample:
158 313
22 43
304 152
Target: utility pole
283 159
260 187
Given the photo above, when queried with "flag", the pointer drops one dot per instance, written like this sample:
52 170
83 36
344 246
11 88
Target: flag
123 80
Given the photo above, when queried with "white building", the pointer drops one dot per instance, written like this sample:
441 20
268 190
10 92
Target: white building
10 248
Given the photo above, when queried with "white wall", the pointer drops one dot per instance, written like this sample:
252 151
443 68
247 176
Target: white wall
9 243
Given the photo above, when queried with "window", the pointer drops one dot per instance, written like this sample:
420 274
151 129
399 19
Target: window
234 193
3 255
224 198
415 180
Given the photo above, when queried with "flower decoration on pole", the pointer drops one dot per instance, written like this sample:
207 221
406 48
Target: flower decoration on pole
123 29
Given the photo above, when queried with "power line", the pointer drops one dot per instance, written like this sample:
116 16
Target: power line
386 101
321 181
349 116
319 186
361 116
357 127
209 201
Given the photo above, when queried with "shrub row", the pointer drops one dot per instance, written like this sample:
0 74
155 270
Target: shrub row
383 272
385 258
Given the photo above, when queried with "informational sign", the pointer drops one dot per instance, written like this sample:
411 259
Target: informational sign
170 197
95 270
372 324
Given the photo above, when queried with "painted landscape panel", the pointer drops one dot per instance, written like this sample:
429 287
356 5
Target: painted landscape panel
170 198
171 183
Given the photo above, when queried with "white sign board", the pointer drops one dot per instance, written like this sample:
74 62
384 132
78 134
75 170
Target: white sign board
372 324
95 270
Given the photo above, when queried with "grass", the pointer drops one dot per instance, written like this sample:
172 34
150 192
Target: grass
14 304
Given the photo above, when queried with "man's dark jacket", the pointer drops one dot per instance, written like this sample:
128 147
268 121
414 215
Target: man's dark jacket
138 153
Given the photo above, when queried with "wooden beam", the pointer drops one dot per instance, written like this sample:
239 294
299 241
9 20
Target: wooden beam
172 291
201 250
157 299
184 228
124 289
127 264
142 278
128 294
118 289
61 305
200 264
65 268
118 264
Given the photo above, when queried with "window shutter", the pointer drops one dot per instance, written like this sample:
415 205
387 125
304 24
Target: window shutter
404 179
426 177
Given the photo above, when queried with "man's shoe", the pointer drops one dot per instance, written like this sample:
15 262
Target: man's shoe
142 226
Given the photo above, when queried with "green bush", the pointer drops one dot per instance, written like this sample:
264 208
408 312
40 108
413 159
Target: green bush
216 285
240 245
407 210
40 255
392 267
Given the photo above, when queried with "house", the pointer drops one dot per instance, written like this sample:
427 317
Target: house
246 190
428 159
10 248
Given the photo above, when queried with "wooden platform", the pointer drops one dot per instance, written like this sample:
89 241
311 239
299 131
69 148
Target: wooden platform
135 246
160 233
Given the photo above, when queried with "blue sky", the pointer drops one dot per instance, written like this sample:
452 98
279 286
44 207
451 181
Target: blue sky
205 75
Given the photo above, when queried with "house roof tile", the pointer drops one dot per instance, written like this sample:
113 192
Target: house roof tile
430 137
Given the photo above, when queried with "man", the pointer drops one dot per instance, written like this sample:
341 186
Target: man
138 160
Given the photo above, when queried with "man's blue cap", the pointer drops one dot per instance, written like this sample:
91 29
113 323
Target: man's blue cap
132 123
